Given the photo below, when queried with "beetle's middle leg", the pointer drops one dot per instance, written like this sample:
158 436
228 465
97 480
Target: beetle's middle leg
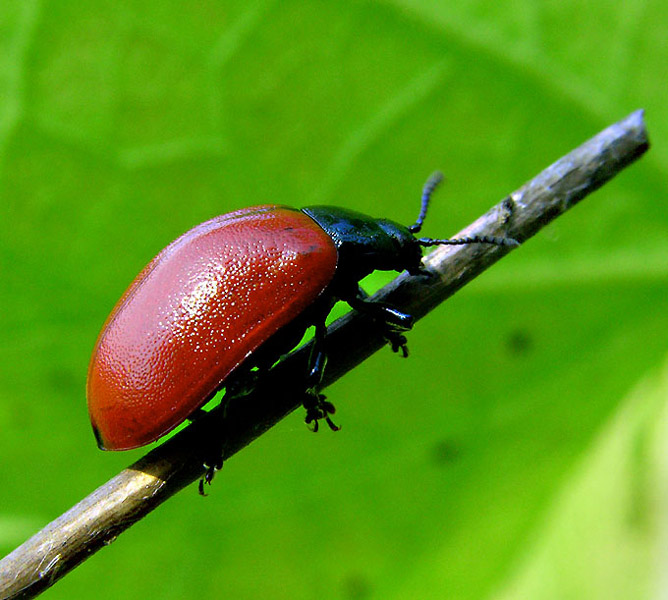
316 405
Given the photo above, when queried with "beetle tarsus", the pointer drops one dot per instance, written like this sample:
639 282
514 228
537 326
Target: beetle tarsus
318 407
312 424
211 469
331 424
392 321
398 342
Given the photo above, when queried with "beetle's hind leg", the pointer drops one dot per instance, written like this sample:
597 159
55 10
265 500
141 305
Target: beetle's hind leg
212 467
214 435
215 430
393 322
241 384
317 406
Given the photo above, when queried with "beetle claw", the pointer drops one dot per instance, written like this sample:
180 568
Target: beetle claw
318 407
331 424
398 342
311 423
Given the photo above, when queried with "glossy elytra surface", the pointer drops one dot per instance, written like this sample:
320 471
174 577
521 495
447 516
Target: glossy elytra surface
201 307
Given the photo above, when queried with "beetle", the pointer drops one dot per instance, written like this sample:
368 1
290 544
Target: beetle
230 297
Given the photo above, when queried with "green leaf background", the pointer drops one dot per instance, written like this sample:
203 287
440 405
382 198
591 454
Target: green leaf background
518 453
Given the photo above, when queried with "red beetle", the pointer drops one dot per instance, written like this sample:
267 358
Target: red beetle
233 294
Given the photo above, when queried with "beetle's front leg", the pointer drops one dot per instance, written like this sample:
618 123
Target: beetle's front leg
393 322
316 405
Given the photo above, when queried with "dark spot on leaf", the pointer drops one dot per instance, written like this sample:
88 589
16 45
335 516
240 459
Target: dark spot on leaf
519 342
356 587
445 452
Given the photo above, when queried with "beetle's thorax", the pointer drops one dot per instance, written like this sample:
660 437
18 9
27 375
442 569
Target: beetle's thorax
366 244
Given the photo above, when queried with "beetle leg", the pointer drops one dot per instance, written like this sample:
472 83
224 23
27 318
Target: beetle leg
318 358
198 414
316 405
214 462
243 381
393 321
215 434
211 470
211 466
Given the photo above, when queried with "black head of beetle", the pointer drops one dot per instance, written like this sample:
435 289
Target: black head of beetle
366 244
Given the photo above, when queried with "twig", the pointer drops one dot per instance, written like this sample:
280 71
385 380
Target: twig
98 519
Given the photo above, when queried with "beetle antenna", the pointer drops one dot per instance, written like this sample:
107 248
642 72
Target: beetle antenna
431 184
476 239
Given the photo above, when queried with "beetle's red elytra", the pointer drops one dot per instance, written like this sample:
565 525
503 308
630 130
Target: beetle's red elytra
205 303
234 294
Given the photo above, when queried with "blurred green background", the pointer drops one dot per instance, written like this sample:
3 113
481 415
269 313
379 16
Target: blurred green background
519 453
